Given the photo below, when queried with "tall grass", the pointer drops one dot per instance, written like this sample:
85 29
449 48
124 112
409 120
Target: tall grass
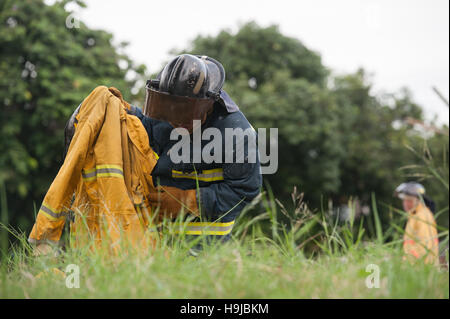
4 219
249 266
274 252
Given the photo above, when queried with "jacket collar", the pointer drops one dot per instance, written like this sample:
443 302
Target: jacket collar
226 101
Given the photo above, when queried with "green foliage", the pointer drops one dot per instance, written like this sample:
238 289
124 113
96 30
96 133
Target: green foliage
46 70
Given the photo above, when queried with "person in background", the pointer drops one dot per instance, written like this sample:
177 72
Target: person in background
420 240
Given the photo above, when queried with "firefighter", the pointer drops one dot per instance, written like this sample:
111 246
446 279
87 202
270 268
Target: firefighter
420 239
187 99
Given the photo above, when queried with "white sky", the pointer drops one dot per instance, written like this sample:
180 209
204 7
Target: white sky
402 42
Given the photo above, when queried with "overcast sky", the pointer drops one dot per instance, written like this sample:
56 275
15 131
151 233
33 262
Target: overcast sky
402 42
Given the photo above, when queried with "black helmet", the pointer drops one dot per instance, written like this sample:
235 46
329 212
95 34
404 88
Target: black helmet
191 75
184 90
411 188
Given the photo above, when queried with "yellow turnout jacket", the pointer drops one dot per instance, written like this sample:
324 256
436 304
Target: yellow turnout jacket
421 238
108 168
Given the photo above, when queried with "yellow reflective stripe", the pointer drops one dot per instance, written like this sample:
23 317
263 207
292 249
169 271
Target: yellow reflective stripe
203 179
51 213
86 171
90 170
109 174
47 215
205 228
209 224
214 170
105 170
108 166
93 178
206 232
156 155
209 175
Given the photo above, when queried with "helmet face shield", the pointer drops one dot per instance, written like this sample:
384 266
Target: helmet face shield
179 111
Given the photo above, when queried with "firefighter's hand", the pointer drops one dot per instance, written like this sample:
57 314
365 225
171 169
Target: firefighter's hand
171 201
42 249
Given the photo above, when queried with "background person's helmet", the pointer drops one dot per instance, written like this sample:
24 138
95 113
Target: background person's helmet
185 90
417 190
411 188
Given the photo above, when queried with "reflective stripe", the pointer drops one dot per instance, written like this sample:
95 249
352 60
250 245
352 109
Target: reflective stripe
199 83
202 228
409 242
212 224
412 242
102 171
50 213
209 175
414 253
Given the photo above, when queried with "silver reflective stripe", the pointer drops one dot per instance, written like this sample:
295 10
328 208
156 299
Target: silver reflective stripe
47 210
109 170
102 170
88 175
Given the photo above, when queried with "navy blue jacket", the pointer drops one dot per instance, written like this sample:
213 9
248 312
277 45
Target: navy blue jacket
225 188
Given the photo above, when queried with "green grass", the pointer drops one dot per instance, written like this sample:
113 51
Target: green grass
231 271
274 253
265 259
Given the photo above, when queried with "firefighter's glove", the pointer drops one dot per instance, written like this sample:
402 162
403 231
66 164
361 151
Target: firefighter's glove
172 201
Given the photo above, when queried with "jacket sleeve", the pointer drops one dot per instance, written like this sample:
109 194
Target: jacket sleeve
150 125
51 217
241 184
